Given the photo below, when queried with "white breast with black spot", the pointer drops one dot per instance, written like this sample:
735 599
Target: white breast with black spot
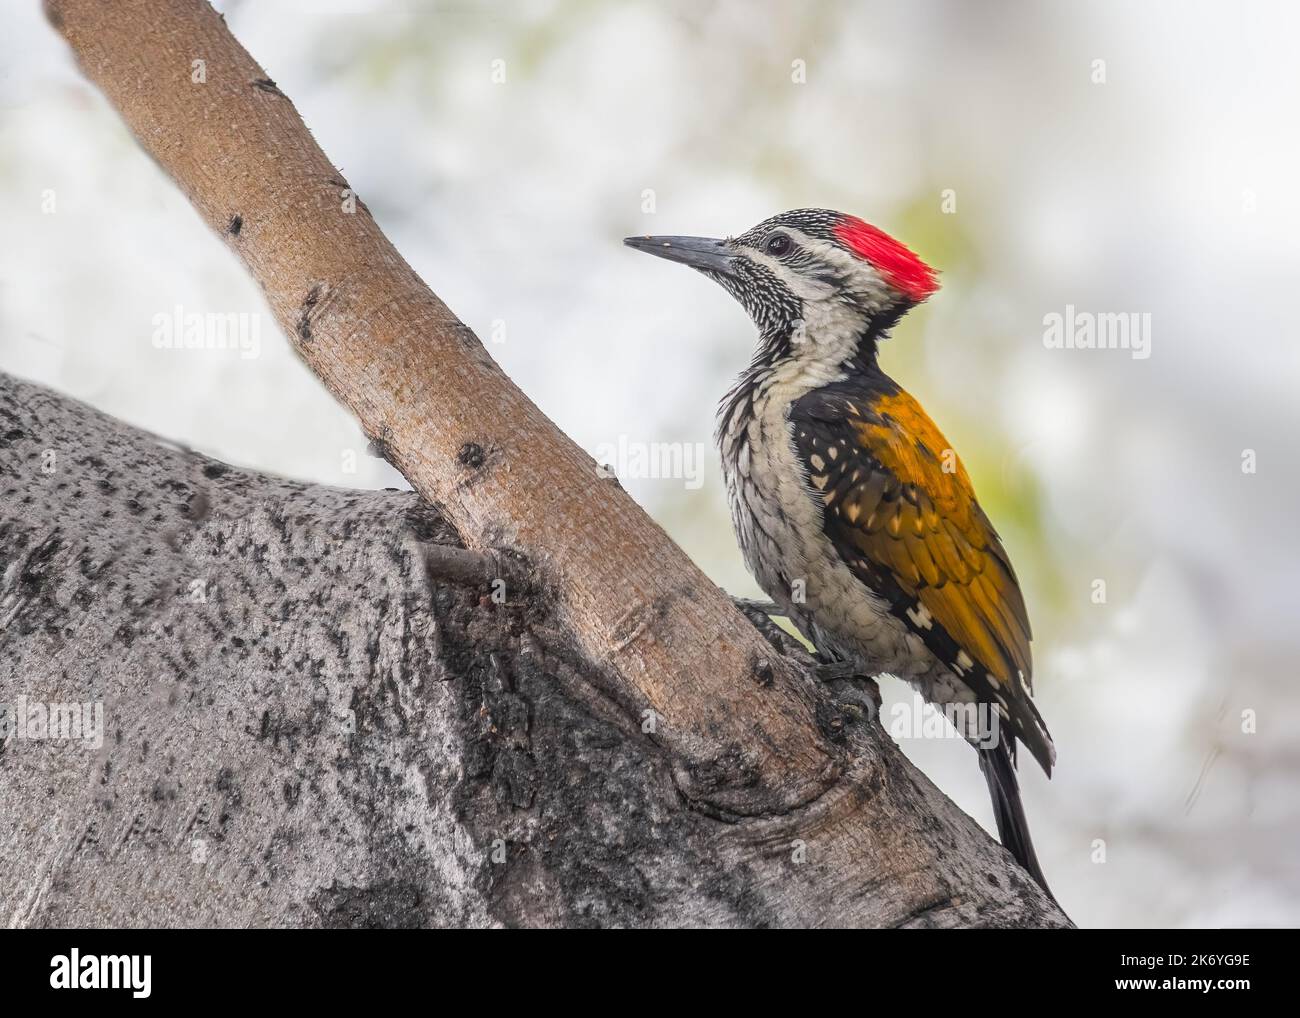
778 523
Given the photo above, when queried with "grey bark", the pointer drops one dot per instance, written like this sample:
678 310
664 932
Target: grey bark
317 714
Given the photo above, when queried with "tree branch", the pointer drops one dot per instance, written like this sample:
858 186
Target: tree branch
458 429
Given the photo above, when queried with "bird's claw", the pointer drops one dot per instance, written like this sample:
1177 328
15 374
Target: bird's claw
831 671
750 606
849 683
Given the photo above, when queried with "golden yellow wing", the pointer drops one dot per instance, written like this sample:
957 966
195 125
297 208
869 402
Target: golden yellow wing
900 509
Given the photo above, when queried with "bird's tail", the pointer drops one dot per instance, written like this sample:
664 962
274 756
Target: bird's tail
999 769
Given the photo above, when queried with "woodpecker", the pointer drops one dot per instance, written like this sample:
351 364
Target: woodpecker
851 509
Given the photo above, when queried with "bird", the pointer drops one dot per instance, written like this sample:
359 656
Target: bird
852 511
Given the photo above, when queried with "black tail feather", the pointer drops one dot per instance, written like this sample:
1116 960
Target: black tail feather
997 763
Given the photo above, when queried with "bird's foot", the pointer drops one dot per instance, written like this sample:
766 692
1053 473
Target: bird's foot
750 606
849 684
833 669
760 615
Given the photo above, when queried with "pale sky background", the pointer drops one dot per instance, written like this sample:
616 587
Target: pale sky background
1167 189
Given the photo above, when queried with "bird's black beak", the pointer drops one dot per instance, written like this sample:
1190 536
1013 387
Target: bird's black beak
701 253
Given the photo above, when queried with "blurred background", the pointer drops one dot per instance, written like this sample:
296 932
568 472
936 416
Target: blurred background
1113 157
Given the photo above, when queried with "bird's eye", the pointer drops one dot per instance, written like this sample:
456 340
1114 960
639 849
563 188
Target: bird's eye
778 244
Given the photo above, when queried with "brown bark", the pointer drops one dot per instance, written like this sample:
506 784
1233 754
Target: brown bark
749 738
419 379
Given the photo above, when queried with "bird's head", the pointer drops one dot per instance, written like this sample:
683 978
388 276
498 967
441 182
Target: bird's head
818 284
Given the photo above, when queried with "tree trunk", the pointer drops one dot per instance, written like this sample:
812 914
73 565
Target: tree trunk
525 705
315 712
